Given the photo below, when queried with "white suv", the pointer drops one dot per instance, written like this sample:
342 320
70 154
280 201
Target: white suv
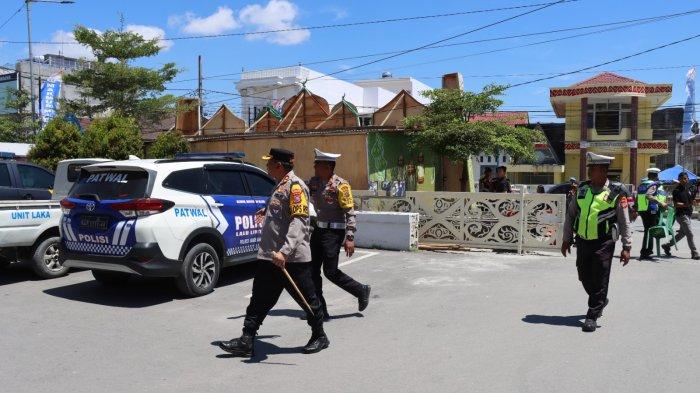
184 218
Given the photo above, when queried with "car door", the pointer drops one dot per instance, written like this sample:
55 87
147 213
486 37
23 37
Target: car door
7 190
35 182
227 193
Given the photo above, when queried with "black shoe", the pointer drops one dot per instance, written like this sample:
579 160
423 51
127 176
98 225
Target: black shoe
317 344
363 300
646 258
667 249
589 325
240 347
696 257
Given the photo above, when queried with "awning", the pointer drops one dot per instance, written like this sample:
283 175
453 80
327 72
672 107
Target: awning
671 174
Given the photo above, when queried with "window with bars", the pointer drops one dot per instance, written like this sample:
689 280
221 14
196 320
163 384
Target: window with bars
609 118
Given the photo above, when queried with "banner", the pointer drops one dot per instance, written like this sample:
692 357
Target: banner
689 121
48 98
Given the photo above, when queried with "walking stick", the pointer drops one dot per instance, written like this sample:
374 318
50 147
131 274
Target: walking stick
303 299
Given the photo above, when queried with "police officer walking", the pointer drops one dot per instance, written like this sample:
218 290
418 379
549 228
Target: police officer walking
596 217
335 228
284 244
650 197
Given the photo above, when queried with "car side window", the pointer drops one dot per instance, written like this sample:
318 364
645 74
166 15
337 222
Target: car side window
259 185
224 182
188 180
35 177
5 176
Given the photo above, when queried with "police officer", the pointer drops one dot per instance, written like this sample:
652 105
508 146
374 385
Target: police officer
335 228
597 216
651 196
284 244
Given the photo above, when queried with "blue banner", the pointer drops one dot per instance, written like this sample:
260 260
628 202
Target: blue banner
689 110
50 92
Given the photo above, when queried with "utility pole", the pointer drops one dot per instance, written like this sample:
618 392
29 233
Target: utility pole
31 59
199 94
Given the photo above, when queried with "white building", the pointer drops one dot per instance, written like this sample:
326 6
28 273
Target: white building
273 86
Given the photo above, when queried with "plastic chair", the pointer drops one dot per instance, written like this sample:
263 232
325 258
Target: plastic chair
663 229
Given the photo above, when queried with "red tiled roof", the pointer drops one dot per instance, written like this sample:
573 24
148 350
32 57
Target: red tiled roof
608 78
511 118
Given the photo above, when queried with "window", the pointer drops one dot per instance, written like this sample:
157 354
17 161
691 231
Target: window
224 182
505 159
35 177
609 118
488 158
481 158
188 180
5 176
109 184
73 171
259 185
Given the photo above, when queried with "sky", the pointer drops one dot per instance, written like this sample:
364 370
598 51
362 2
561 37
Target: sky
511 61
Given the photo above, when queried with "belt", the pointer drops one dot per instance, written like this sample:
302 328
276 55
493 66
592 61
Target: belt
330 225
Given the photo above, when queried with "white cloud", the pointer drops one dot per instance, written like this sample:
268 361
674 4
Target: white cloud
69 49
151 32
220 21
276 15
337 12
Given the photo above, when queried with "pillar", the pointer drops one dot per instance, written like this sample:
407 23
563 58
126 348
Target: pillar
634 111
582 175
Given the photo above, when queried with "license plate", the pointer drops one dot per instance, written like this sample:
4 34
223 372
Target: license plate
94 222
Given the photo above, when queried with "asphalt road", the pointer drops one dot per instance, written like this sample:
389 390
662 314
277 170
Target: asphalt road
439 322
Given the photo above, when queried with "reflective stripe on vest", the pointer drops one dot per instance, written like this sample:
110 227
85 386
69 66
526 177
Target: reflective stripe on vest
596 214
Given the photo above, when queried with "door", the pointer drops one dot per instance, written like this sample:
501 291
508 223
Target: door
260 187
35 182
7 191
227 193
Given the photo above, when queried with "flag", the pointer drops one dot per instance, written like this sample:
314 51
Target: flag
689 122
48 98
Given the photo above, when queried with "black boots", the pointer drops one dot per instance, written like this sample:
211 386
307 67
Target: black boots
317 343
363 300
241 347
589 325
667 249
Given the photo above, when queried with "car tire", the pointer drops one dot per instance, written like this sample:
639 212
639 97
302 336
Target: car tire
45 259
200 271
109 278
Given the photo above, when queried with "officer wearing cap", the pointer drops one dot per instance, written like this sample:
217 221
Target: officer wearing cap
650 196
335 228
284 244
597 216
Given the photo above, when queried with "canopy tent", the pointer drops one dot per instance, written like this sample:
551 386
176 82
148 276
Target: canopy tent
671 174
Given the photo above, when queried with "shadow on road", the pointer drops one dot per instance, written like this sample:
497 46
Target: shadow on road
262 349
16 273
555 320
140 292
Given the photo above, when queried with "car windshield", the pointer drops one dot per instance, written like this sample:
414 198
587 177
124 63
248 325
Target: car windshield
110 184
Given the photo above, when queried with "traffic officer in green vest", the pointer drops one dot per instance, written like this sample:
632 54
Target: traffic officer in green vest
335 228
651 197
597 217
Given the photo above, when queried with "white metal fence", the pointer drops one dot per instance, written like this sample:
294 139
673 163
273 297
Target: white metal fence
486 220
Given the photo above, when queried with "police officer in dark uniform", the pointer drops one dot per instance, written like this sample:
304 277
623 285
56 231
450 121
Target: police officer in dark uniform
334 228
284 244
597 216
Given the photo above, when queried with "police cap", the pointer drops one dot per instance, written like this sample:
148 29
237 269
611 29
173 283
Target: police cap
280 155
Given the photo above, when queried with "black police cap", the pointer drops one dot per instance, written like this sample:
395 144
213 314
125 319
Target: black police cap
281 155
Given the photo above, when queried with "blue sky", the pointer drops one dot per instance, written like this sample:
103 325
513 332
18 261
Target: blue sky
227 55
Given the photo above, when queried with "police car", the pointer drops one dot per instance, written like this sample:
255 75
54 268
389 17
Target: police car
185 218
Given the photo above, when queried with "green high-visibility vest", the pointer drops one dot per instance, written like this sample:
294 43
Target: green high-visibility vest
597 212
642 203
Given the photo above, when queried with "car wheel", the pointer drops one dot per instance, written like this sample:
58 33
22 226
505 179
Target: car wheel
45 260
109 278
200 271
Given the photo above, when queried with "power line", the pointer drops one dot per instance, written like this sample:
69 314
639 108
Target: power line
11 16
329 26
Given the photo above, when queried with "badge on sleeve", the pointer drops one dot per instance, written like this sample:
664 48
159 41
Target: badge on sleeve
345 196
298 202
623 202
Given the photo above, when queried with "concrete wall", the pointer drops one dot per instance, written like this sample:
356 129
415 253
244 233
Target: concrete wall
387 230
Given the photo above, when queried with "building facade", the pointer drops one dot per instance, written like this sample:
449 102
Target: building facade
611 114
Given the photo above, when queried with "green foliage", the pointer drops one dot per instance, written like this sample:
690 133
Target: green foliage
59 140
17 126
114 137
111 83
447 128
168 144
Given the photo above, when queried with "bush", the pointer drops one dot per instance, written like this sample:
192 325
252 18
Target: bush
59 140
168 144
114 137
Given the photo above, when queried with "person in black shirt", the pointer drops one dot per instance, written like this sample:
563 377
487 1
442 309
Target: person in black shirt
500 183
683 197
485 181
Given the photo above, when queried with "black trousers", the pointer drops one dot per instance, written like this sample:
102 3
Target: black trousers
593 261
648 220
267 287
325 250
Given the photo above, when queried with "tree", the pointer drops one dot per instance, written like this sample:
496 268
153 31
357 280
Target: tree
59 140
112 83
17 125
114 137
447 127
168 144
